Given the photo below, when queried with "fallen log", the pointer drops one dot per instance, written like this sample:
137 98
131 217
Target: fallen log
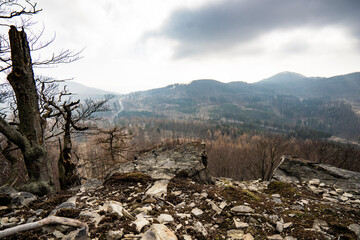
46 221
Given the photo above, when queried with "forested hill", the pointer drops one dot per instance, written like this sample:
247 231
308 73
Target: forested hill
287 102
343 86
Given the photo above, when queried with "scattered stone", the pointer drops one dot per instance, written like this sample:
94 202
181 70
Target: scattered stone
275 237
115 235
159 232
315 182
197 212
276 195
239 224
7 190
159 189
165 218
92 183
334 200
114 207
187 237
242 209
287 225
223 205
215 207
279 227
235 234
80 234
334 193
290 238
199 227
348 195
183 215
22 199
13 220
58 234
248 236
320 225
140 223
4 221
355 228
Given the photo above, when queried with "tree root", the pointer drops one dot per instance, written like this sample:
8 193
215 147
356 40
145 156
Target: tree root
46 221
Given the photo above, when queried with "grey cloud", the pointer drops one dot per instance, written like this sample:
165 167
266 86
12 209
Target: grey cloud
223 25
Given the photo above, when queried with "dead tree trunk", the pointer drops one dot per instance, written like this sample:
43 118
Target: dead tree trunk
30 131
68 175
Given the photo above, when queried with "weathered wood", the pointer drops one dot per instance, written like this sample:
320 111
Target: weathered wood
29 136
43 222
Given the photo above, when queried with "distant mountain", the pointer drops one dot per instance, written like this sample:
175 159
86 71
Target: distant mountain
284 102
342 86
81 91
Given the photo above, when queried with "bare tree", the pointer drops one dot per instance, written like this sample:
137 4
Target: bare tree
69 116
28 133
266 155
115 142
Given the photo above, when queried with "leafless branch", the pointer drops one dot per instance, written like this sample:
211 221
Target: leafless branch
12 8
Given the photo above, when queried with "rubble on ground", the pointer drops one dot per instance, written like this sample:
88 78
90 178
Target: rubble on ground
135 206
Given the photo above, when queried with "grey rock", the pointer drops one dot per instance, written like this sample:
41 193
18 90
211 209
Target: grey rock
115 235
187 237
242 209
287 225
276 200
239 224
279 227
197 212
348 195
235 234
21 199
159 232
4 221
58 234
289 238
320 225
165 218
275 237
159 189
113 207
80 234
293 170
163 163
248 236
7 190
140 223
92 183
199 227
315 182
215 207
355 228
69 204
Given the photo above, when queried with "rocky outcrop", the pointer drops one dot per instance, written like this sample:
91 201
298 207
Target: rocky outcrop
136 206
124 209
188 160
299 170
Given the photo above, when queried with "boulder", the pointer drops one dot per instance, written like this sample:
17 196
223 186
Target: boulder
186 160
299 170
159 232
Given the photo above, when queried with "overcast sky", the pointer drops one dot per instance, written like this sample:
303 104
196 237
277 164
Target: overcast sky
132 45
